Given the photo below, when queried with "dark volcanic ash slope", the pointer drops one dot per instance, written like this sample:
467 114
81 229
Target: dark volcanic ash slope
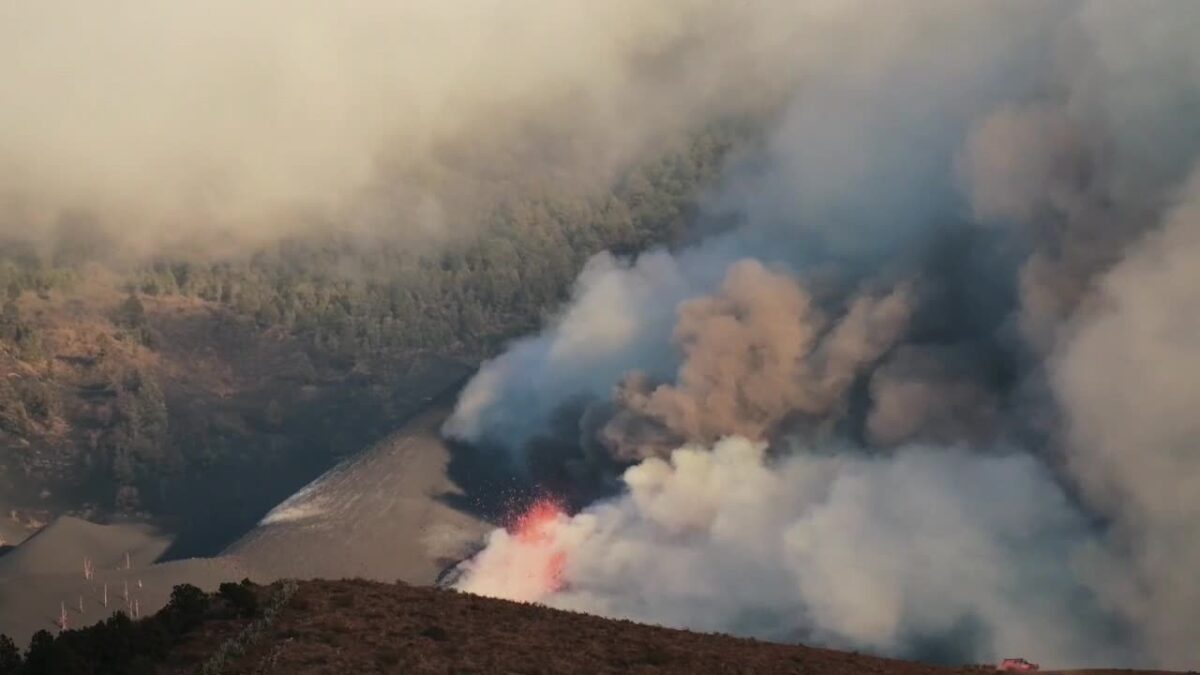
381 515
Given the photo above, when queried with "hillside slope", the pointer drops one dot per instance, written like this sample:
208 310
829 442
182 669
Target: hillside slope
381 515
365 627
144 383
45 573
386 514
356 626
103 423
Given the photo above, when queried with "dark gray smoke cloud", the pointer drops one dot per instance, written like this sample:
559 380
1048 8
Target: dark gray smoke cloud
972 230
933 395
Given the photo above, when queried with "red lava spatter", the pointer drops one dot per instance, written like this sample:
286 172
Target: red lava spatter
535 528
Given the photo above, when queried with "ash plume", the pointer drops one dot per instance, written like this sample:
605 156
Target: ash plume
753 354
994 457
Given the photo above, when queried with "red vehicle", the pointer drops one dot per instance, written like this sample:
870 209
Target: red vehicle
1018 666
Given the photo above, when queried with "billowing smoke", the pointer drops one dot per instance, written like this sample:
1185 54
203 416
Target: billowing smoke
754 353
931 395
235 122
855 177
1126 378
973 555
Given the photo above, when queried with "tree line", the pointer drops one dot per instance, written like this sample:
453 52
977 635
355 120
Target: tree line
120 645
348 301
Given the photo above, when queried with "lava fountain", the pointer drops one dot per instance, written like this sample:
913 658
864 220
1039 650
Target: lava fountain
525 561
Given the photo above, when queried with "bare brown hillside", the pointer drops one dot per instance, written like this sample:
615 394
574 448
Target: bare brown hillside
365 627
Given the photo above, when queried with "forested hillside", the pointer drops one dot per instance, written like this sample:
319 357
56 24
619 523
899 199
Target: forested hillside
135 386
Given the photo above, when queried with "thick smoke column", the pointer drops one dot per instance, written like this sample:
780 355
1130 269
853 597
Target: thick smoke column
931 395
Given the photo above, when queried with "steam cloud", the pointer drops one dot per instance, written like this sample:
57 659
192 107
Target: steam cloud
933 395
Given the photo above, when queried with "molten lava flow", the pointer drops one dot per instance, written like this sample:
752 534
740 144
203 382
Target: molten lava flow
534 529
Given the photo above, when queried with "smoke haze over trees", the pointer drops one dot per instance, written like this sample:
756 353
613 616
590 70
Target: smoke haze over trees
106 337
356 191
175 128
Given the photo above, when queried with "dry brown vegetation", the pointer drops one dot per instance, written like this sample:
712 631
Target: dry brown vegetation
366 627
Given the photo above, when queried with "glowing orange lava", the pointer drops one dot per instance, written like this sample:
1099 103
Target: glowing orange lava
535 529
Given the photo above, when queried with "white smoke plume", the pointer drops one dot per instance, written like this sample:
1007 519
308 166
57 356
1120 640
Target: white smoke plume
1026 166
1127 379
860 552
615 321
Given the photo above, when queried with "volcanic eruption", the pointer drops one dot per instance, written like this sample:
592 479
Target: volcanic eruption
525 561
923 385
